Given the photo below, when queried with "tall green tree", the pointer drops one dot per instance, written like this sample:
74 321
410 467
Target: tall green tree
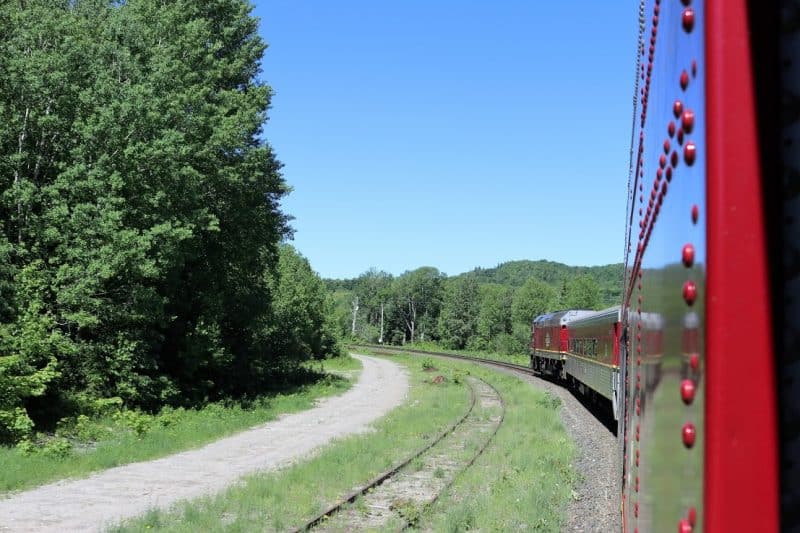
583 293
458 322
533 299
418 296
494 314
141 210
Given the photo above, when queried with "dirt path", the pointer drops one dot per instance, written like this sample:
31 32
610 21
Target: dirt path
107 497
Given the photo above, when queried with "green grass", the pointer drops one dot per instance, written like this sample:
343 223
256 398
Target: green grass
86 446
524 479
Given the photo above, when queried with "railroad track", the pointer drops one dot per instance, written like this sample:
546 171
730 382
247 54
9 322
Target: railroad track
601 412
395 498
378 348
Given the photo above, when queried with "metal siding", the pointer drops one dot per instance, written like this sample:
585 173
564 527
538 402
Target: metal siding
662 478
596 376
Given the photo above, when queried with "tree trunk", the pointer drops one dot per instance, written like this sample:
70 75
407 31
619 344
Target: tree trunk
380 339
355 315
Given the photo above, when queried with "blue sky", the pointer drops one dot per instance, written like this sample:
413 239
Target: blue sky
451 133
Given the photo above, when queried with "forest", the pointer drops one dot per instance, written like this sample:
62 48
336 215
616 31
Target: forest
142 246
486 309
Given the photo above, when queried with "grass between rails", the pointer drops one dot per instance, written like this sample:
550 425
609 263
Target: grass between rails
524 479
89 445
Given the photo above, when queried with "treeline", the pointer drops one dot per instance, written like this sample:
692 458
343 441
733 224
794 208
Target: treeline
140 227
485 309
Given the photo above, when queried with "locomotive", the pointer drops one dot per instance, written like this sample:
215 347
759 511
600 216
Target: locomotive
701 360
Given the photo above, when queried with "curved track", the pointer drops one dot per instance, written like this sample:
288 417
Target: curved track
595 506
386 489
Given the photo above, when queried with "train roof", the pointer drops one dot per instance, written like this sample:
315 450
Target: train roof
612 314
560 318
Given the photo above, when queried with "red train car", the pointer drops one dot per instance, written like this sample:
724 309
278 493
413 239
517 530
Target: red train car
712 271
550 340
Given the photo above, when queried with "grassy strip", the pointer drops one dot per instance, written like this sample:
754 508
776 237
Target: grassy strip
524 480
524 477
88 445
517 359
279 500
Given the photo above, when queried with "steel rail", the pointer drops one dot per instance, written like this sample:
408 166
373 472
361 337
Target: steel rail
380 478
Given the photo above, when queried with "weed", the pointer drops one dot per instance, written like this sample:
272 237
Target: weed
428 365
438 473
116 436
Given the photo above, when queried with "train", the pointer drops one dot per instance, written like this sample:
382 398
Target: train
700 361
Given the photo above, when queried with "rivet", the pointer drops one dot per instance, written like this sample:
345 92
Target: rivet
694 68
652 49
688 434
694 362
692 516
680 136
638 336
684 80
689 153
688 19
684 526
687 255
636 509
689 292
638 411
641 198
662 161
669 173
677 108
640 211
686 2
655 21
656 9
637 484
674 158
687 391
695 213
687 120
659 173
671 128
666 146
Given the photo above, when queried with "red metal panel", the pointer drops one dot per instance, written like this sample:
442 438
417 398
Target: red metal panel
740 446
564 339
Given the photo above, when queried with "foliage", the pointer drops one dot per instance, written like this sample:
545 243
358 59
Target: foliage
533 299
140 221
583 293
458 322
86 444
424 305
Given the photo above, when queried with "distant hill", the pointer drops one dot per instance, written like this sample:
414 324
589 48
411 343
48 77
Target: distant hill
516 273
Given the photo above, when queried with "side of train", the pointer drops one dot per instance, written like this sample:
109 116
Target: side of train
701 360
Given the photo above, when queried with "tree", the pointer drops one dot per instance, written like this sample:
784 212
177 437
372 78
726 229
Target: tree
531 300
583 293
304 324
418 295
458 322
140 221
494 315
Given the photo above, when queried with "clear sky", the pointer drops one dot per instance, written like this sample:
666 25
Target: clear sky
451 133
